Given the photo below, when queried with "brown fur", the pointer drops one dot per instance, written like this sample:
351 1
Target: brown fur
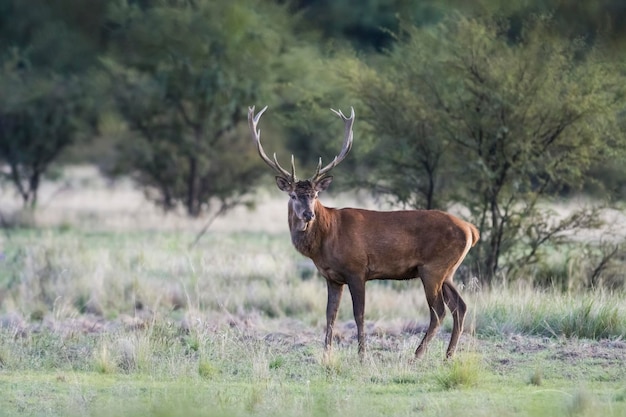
352 246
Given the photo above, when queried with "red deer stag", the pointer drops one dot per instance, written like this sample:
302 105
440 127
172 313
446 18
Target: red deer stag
352 246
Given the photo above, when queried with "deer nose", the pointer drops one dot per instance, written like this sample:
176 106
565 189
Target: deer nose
308 216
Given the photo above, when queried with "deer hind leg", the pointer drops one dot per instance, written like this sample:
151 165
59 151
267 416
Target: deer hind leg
334 297
458 308
434 297
357 291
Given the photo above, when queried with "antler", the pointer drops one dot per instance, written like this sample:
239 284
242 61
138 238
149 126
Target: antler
253 121
256 136
345 148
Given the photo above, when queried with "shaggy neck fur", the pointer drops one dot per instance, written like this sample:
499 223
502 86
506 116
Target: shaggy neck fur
309 241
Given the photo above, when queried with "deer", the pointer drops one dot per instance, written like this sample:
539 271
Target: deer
350 246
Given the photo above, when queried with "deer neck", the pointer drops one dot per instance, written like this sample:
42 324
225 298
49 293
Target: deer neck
309 241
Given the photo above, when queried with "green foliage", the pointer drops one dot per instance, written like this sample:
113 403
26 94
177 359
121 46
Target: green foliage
367 25
312 86
593 20
41 115
494 108
64 36
182 75
505 123
404 150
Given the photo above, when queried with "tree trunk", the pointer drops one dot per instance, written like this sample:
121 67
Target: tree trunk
34 188
430 192
493 254
193 205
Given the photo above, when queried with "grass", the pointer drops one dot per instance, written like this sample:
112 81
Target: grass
100 319
242 372
584 314
51 275
463 371
243 382
138 324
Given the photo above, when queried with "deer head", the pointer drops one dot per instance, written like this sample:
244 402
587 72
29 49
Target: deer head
303 194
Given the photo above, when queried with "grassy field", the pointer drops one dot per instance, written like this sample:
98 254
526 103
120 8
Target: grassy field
109 312
138 324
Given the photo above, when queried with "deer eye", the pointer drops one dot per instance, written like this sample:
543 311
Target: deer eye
293 196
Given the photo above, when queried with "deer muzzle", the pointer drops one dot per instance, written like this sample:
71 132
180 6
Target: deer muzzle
307 216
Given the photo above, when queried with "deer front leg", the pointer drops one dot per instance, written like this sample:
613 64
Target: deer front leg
357 291
334 297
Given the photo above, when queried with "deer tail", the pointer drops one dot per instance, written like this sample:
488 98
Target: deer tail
475 234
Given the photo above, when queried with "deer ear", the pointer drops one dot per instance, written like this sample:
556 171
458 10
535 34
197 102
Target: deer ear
284 185
323 184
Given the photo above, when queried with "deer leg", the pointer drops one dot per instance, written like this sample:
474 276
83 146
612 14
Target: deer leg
357 291
334 297
434 297
458 308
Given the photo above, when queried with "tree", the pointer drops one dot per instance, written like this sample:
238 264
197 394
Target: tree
184 73
518 121
406 153
64 36
368 25
41 115
46 52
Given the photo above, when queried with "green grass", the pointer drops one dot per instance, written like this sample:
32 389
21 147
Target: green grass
593 314
240 373
464 371
138 324
249 385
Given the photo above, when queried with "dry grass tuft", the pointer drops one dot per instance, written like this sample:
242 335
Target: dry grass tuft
581 403
462 371
536 378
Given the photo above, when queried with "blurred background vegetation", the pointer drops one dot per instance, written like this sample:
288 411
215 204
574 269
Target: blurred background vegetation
491 108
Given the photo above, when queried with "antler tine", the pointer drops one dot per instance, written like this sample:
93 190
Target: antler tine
253 121
345 148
